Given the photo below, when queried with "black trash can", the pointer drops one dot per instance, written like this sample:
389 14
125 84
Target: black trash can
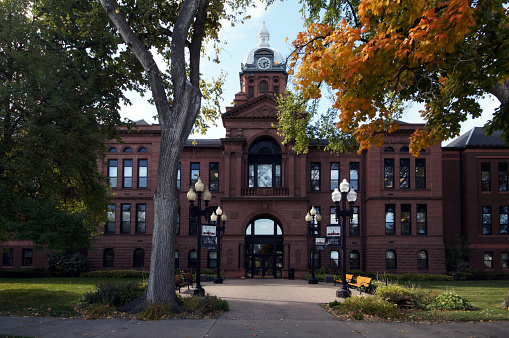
291 273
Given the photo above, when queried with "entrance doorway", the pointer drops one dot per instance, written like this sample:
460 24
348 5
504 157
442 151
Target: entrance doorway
264 249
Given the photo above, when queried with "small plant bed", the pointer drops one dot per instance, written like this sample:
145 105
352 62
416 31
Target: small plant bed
430 302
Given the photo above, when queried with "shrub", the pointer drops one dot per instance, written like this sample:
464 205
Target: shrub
449 301
67 264
100 311
23 273
367 305
116 274
154 312
204 305
113 294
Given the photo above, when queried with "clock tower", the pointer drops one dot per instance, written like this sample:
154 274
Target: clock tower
263 70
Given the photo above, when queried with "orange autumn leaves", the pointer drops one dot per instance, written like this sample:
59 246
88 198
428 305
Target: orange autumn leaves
366 65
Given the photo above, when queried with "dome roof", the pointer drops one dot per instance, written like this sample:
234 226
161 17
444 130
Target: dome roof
263 44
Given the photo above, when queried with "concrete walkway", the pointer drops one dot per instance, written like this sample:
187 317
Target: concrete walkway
261 308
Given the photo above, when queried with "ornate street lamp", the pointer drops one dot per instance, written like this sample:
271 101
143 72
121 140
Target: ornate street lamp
345 193
313 227
197 212
214 218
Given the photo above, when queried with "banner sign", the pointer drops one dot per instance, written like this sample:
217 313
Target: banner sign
333 236
208 236
320 244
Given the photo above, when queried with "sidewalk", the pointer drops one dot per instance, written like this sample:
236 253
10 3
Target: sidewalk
261 308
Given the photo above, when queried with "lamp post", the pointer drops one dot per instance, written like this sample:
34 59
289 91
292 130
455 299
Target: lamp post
311 216
196 211
214 218
344 193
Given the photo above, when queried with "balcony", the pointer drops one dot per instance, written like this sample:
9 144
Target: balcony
279 191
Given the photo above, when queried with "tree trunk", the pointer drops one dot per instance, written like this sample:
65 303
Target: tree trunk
501 91
176 125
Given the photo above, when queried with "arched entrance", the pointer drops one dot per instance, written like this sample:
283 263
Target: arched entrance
264 249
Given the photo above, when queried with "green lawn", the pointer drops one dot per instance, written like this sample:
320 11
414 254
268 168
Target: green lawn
485 296
55 297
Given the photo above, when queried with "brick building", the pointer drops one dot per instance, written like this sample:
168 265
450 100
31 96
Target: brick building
406 207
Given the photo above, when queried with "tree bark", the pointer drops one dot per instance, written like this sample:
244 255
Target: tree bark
501 91
176 124
505 303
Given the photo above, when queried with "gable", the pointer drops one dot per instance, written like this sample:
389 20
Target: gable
264 106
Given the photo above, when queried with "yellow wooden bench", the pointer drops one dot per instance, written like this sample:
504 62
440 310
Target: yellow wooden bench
362 283
348 279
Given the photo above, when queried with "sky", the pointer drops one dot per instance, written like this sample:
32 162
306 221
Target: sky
283 21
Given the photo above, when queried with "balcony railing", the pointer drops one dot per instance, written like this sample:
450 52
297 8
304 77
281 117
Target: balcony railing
278 191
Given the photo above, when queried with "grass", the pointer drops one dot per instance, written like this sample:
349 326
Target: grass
46 297
485 296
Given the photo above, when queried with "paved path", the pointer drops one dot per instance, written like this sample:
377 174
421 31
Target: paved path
258 308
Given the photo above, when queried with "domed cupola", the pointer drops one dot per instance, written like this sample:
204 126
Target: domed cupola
263 70
263 58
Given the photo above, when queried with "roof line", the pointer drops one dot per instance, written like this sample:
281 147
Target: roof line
470 136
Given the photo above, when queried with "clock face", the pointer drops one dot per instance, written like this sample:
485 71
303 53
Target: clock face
263 63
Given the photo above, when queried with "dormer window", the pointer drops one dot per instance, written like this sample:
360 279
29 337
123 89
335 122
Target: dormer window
263 86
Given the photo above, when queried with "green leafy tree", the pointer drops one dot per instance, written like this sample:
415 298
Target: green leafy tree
57 108
444 54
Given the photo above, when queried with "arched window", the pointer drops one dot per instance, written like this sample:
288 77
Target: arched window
191 262
355 263
422 259
128 150
404 150
264 227
212 259
177 263
334 259
263 86
390 260
108 258
113 150
265 164
139 258
143 150
389 150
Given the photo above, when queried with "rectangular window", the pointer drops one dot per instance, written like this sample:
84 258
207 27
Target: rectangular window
113 172
504 219
315 176
422 219
214 176
142 173
27 257
406 219
420 173
178 178
354 175
332 216
316 262
8 258
354 222
505 259
485 176
110 224
404 173
251 176
389 173
502 176
486 220
128 174
212 260
277 176
334 175
141 218
195 173
390 226
488 260
125 227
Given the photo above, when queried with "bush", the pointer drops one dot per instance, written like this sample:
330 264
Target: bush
116 274
449 301
67 264
113 294
204 305
155 312
360 306
22 273
100 311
